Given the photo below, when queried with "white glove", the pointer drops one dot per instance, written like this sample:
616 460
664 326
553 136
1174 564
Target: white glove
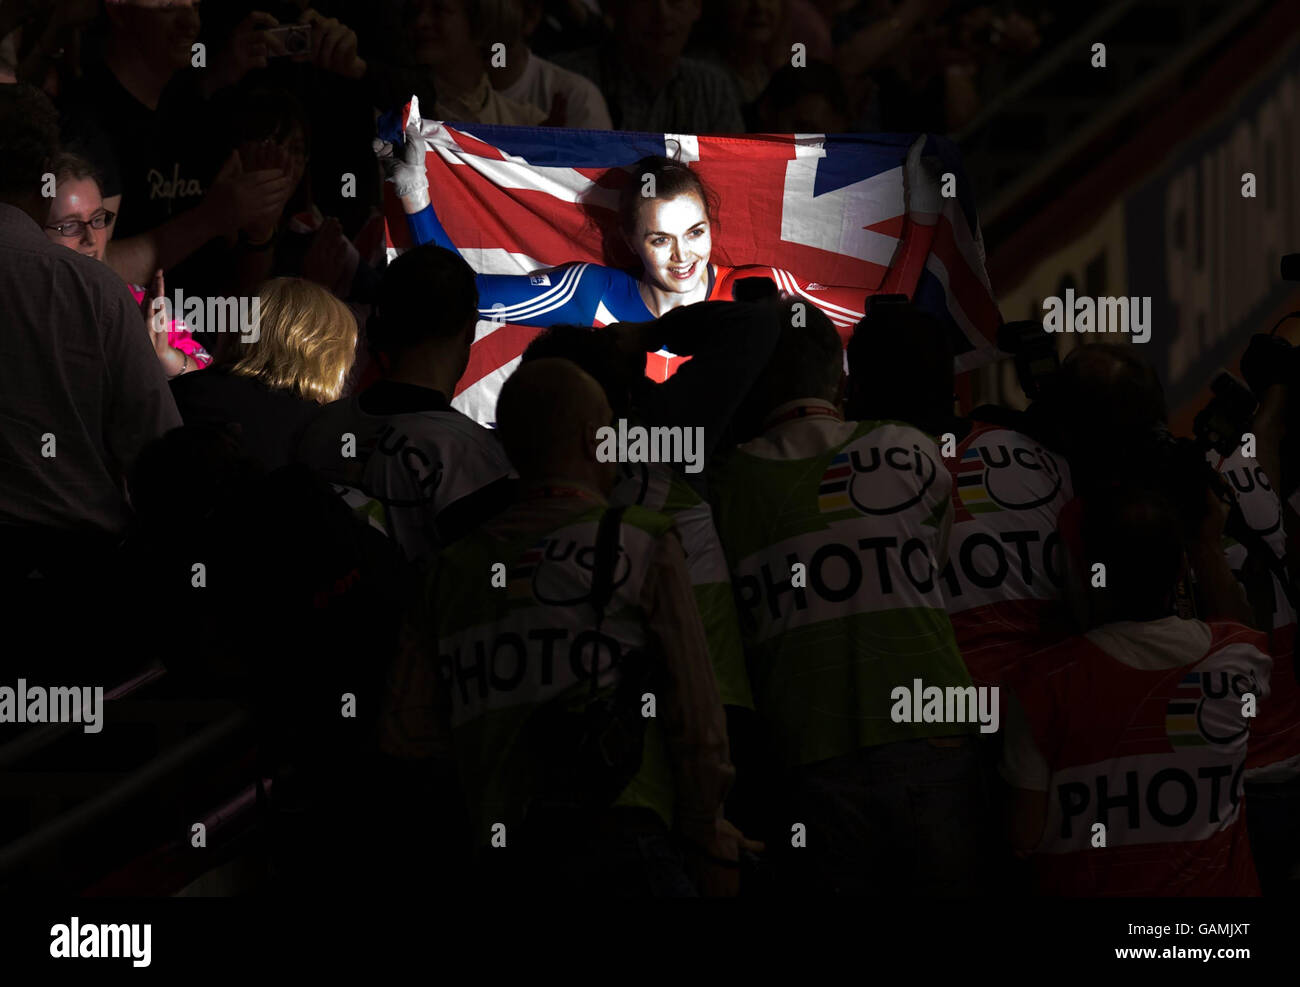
407 173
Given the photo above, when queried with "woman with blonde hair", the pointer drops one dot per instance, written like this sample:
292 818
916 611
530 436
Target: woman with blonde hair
278 372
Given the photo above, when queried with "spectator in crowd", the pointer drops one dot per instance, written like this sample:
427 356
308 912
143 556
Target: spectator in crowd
915 64
79 220
296 345
746 42
807 100
507 735
448 35
303 241
81 393
648 83
828 647
569 24
567 99
43 40
1146 703
148 122
434 473
82 389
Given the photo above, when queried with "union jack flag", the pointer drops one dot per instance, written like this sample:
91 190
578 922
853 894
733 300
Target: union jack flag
832 218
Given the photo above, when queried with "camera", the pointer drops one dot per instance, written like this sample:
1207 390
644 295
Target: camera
1221 423
294 38
1034 349
1178 467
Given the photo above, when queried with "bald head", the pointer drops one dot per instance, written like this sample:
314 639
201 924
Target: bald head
548 414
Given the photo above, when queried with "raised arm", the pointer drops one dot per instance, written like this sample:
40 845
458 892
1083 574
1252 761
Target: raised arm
571 293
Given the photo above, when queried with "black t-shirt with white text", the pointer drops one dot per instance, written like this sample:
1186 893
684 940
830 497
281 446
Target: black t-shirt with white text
162 161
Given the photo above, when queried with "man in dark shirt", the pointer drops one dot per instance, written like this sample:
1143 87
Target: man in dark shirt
81 391
145 115
81 394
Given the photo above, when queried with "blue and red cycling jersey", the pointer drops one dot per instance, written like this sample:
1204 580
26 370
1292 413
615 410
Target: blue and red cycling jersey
592 294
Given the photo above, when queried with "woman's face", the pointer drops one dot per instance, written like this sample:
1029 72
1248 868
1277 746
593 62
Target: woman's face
673 240
78 199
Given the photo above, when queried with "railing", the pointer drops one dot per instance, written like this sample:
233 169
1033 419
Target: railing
32 855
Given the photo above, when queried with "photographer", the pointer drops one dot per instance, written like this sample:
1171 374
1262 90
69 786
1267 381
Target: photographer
1107 410
835 532
1003 579
1263 563
578 820
1099 730
1002 582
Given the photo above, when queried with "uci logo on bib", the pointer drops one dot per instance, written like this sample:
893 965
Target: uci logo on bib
985 484
1193 718
872 479
558 571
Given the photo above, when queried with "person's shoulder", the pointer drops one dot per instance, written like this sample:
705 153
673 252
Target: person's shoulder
107 292
1048 667
583 61
1230 633
504 109
890 429
654 523
334 416
705 74
564 78
447 423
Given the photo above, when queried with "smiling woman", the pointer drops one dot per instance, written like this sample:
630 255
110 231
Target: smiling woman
667 218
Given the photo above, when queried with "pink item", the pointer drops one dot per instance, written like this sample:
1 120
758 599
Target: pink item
178 336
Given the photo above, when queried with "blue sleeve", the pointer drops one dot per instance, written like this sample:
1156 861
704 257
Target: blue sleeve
568 294
425 228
